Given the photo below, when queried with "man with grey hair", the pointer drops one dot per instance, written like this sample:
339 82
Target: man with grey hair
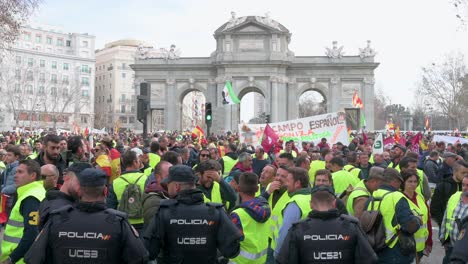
243 165
355 204
49 176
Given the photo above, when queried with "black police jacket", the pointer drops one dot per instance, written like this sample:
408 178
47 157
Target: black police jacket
326 237
187 230
89 233
54 200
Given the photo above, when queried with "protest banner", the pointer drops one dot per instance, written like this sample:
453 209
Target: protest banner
448 139
331 126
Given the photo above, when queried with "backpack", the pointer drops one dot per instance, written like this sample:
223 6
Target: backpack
345 195
373 225
132 200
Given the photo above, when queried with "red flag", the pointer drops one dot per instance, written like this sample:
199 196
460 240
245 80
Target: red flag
364 137
390 141
86 132
198 133
415 142
269 138
402 141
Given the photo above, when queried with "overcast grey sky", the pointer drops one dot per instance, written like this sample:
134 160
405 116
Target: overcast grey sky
406 34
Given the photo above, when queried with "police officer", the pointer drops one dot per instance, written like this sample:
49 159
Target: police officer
89 233
325 236
186 229
67 194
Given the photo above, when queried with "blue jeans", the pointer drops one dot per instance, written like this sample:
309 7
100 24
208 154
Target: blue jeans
394 256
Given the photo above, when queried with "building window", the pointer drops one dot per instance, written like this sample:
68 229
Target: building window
123 119
68 42
85 44
38 38
29 89
131 119
53 78
29 76
42 63
65 91
84 119
53 91
54 65
124 66
85 93
17 88
85 81
59 42
84 68
30 62
41 76
124 75
65 79
132 110
122 109
49 40
41 90
18 60
66 66
27 36
18 74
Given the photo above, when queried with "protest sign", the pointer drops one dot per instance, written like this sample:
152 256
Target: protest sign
331 126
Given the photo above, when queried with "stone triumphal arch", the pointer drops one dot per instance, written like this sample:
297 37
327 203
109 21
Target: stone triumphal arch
252 52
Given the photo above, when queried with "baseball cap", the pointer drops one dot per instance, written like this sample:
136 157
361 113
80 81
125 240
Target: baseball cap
78 167
400 147
323 188
180 173
449 155
92 177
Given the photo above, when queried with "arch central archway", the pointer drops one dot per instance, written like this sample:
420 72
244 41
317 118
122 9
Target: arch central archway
252 108
312 102
192 109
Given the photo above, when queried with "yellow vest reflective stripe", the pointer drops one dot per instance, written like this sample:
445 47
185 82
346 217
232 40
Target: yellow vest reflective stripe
253 248
420 210
341 180
265 156
450 220
315 165
119 187
276 218
387 209
229 163
359 190
14 228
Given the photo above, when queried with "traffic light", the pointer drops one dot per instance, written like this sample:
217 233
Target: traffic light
267 118
143 106
208 114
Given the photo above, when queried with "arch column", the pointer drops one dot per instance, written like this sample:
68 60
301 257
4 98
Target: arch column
279 95
173 109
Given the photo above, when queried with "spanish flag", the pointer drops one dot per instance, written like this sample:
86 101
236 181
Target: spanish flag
198 133
357 102
397 134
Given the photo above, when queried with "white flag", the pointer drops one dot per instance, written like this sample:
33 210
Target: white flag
378 145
